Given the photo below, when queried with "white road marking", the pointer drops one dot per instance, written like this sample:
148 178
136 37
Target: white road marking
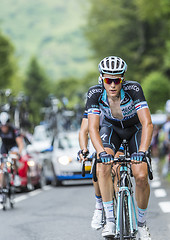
47 188
31 194
155 184
35 192
165 206
160 193
21 198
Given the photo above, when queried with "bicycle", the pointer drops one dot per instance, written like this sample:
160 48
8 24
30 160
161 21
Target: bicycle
123 204
8 189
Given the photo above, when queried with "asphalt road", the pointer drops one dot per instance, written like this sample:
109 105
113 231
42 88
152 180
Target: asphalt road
65 213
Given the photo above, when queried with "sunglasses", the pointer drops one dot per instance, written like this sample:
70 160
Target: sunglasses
110 80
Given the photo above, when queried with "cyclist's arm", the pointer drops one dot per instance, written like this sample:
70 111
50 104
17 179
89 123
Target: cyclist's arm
83 134
20 143
94 121
147 128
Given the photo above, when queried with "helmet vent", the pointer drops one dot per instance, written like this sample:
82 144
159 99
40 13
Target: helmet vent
118 62
107 63
112 63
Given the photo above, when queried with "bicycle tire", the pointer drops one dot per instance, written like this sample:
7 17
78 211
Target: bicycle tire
11 196
124 217
5 191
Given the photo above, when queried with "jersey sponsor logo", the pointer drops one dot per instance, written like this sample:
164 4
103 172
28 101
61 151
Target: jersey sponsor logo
103 136
141 105
133 87
91 92
128 110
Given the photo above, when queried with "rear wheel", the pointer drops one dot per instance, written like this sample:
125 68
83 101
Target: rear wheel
12 196
4 198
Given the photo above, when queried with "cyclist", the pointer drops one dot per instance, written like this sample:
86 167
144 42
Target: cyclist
126 116
97 219
11 142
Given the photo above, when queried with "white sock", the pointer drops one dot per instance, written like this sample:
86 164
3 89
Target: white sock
108 207
99 203
141 216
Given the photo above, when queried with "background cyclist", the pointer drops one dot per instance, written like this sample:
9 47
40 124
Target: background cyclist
12 142
126 115
87 147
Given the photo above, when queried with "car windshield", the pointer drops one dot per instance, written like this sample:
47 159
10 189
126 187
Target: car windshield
40 134
68 142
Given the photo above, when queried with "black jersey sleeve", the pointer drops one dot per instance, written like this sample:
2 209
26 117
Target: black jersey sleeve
136 92
93 96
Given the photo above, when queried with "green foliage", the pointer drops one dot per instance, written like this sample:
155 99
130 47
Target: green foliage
136 30
7 61
37 88
157 90
51 30
74 89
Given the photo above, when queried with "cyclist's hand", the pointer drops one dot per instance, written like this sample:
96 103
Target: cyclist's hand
138 157
82 155
106 158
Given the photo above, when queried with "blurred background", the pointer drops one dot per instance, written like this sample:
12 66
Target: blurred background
49 55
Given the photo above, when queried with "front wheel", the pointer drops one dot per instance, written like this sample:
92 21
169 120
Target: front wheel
30 186
124 217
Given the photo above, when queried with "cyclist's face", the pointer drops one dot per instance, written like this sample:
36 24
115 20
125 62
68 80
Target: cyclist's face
112 89
4 129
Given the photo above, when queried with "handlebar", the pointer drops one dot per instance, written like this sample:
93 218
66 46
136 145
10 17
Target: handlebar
121 159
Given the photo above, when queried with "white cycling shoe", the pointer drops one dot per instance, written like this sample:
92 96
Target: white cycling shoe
109 229
97 219
17 181
143 233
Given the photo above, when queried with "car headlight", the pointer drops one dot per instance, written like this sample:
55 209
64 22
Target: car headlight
64 160
31 163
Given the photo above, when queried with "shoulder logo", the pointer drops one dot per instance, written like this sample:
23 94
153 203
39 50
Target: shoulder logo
132 87
91 92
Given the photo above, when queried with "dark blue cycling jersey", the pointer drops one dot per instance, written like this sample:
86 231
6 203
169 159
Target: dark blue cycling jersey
132 100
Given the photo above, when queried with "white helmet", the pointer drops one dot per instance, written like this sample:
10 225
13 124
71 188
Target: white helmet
112 65
4 118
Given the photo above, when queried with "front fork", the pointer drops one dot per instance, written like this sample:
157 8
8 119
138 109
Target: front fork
131 209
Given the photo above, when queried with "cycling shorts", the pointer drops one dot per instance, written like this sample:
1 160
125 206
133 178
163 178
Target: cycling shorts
112 136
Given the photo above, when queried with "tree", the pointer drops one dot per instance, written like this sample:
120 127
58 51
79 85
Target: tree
36 88
157 90
7 61
136 30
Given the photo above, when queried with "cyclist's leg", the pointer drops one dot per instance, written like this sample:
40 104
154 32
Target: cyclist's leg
111 143
140 173
14 151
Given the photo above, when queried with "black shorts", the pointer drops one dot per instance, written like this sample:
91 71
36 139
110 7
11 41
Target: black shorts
112 136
